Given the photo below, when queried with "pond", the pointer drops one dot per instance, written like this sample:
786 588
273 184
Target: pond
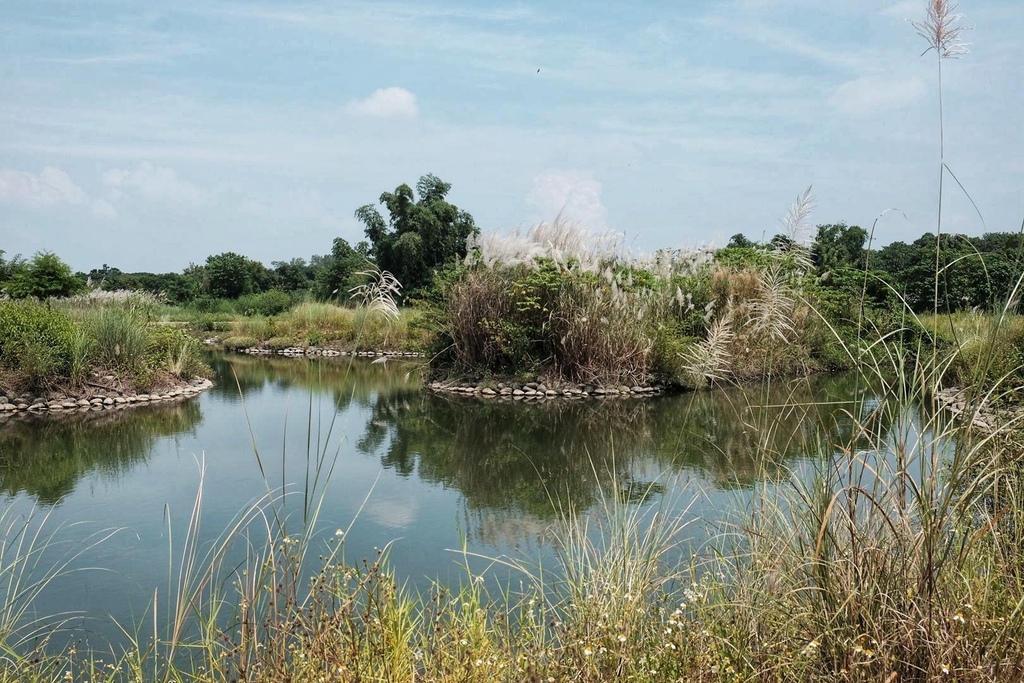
393 463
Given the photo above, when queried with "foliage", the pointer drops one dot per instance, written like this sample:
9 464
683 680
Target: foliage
571 307
36 341
838 245
976 271
271 302
230 275
174 349
339 272
123 339
43 277
422 233
982 349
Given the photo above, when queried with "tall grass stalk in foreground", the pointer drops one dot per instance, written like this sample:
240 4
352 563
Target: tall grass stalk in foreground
941 29
31 559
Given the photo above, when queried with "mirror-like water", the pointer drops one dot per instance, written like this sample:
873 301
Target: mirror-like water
427 472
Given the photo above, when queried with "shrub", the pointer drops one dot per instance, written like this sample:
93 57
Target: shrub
175 350
35 340
209 304
267 303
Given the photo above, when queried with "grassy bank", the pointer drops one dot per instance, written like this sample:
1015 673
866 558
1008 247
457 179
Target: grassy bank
891 553
319 324
64 345
560 304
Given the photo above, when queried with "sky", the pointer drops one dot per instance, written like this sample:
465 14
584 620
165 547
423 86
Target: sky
150 135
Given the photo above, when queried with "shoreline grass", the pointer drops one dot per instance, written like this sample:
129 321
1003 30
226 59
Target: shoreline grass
889 555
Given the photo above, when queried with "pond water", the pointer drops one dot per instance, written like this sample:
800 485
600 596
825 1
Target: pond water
394 463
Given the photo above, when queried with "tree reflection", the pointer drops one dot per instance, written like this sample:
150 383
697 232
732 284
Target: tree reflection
347 380
531 458
45 456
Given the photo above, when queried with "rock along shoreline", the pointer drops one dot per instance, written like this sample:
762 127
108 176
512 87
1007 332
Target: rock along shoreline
540 391
98 399
506 390
982 416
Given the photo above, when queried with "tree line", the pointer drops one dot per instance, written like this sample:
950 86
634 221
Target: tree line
974 272
424 233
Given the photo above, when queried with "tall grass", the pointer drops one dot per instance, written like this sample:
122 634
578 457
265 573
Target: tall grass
320 324
122 338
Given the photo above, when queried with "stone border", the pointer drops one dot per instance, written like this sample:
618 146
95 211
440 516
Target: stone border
314 352
539 391
983 416
109 400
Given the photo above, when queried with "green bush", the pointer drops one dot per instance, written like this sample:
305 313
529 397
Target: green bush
209 304
175 350
36 341
267 303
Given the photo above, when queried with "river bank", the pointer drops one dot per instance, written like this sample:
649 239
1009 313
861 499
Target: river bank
105 393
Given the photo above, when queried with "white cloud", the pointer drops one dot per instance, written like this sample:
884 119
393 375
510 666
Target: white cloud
387 103
52 187
156 183
873 94
573 194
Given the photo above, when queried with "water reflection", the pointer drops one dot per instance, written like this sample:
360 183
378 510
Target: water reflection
45 456
514 465
347 381
520 457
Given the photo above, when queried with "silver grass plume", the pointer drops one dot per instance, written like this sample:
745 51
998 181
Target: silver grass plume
378 293
770 314
941 29
708 360
796 225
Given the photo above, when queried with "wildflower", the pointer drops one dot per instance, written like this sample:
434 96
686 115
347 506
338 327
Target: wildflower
945 669
587 652
959 617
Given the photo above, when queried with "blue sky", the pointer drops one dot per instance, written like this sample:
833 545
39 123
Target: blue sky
151 135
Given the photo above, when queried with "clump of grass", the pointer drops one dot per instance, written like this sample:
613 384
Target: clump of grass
980 348
238 343
36 342
122 338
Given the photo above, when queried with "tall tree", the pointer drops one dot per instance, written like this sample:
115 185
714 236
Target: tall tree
838 245
43 277
230 275
421 234
336 275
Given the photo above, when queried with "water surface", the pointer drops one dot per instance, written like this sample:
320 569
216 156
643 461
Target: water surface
426 472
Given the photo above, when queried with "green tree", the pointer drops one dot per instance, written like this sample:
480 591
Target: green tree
838 245
421 235
43 277
337 273
293 275
230 275
740 241
9 267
